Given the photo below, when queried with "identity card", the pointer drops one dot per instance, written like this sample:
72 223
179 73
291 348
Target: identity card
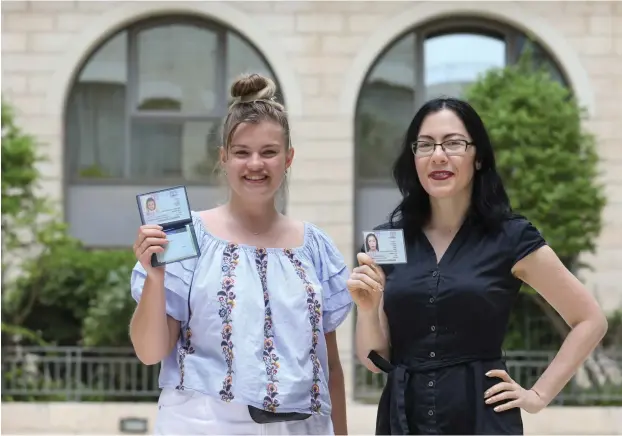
170 209
385 246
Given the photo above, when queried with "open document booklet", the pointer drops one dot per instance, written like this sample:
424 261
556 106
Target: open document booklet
170 209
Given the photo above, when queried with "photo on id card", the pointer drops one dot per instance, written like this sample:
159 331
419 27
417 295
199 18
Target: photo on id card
385 246
170 209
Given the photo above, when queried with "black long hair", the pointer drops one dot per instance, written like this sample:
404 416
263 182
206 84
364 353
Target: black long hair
490 204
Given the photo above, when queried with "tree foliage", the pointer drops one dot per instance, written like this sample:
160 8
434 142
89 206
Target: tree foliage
19 172
58 292
549 165
546 157
20 205
72 296
28 219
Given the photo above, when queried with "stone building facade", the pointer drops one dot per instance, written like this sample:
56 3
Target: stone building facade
91 78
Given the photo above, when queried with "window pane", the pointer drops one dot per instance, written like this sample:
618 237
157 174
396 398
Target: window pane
243 58
541 58
385 108
187 150
95 117
454 61
177 69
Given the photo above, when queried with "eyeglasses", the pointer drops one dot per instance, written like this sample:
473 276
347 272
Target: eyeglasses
451 147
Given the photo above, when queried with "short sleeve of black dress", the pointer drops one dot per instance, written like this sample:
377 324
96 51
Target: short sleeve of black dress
524 237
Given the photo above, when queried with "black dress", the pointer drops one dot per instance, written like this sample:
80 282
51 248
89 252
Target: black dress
447 323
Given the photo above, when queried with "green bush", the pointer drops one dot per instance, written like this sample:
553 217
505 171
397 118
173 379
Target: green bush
29 220
613 338
549 164
58 292
546 158
71 295
19 180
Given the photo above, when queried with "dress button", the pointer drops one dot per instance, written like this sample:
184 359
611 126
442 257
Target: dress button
435 273
430 383
432 354
430 412
433 328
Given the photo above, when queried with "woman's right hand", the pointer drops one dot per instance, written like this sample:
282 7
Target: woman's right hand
366 283
150 240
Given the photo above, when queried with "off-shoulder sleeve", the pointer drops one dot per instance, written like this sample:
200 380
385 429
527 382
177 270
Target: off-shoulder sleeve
333 273
177 281
524 236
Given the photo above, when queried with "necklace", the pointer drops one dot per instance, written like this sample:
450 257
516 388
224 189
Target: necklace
246 229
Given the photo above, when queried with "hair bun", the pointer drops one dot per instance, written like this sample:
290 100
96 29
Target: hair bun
251 87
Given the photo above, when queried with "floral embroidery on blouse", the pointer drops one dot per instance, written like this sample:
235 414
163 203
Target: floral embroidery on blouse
226 298
315 314
271 360
184 350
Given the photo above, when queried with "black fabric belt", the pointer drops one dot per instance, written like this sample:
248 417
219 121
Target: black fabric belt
399 376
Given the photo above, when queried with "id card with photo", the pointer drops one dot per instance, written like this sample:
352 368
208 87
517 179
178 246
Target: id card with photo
164 207
170 209
385 246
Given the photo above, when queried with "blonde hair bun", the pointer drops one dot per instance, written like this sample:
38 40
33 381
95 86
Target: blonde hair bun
250 87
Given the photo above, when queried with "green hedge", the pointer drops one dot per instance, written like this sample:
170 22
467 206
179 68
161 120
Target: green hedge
70 295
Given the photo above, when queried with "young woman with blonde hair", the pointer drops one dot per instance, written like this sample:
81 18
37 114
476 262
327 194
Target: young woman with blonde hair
246 332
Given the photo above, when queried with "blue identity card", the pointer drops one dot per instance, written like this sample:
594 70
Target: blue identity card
385 246
170 209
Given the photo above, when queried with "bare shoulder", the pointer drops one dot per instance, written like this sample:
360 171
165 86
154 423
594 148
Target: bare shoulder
294 229
212 217
293 224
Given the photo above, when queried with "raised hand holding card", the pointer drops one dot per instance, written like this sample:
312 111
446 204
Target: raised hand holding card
385 246
170 209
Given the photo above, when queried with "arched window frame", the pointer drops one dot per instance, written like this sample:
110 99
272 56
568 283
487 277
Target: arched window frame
514 40
132 112
101 212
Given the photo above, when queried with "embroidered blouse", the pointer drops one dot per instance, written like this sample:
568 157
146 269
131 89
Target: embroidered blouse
253 320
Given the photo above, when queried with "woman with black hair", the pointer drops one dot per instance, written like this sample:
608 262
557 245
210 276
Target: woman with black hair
371 243
436 324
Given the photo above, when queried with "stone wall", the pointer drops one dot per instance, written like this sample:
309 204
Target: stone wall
324 47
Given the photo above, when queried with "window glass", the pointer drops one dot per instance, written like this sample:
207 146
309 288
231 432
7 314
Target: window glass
413 71
96 117
385 108
453 61
148 104
178 62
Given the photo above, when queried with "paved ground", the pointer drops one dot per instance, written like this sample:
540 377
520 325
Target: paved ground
551 421
361 419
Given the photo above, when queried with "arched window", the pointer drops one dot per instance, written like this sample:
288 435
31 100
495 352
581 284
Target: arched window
144 112
438 59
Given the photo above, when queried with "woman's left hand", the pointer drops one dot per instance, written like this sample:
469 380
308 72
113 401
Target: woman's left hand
508 389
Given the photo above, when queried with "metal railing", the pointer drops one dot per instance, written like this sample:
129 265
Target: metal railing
76 374
598 382
115 374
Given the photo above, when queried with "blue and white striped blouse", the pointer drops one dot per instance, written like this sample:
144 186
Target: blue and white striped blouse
254 333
